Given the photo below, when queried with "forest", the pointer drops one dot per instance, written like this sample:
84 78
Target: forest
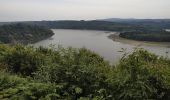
101 25
23 33
142 30
28 73
161 36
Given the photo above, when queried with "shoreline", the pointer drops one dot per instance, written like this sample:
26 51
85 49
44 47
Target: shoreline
117 38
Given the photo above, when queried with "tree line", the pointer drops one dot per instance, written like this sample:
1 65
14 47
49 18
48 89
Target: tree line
161 36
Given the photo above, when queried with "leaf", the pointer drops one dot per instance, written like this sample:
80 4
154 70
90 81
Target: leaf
78 90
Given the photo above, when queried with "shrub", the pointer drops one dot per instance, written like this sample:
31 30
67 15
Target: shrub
71 74
142 75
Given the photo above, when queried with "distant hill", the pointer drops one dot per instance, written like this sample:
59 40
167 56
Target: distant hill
89 25
134 20
22 33
159 23
154 29
92 24
137 29
4 23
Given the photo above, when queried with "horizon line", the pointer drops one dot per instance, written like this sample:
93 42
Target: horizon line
89 19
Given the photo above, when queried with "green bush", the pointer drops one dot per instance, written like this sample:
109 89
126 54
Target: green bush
78 69
71 74
142 75
22 60
13 87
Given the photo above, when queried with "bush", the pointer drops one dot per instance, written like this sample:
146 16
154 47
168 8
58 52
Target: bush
71 74
22 60
15 88
78 69
142 75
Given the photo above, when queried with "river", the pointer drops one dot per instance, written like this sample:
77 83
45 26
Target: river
98 42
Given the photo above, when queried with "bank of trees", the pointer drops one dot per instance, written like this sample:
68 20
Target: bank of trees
23 33
142 30
33 31
68 73
156 36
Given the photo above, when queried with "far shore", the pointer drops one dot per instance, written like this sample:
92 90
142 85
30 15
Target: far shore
116 37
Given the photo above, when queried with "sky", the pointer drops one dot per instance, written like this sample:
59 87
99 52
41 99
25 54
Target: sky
36 10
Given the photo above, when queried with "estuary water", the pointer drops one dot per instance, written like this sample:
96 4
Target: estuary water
98 42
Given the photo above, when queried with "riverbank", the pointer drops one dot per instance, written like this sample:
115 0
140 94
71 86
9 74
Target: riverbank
117 38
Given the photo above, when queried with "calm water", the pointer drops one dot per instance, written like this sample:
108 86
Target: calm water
96 41
168 30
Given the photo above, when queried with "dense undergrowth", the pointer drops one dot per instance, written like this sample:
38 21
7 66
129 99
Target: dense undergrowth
28 73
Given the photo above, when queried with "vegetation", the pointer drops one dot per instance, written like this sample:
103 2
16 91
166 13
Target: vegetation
22 33
161 36
136 29
143 30
79 74
154 23
122 25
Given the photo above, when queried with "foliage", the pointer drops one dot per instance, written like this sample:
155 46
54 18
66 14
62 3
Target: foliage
15 88
143 30
33 31
22 33
152 24
76 68
142 75
22 60
79 74
158 36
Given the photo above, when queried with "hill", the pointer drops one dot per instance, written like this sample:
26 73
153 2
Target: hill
136 29
22 33
156 36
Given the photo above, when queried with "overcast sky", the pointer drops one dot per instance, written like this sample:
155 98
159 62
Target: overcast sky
20 10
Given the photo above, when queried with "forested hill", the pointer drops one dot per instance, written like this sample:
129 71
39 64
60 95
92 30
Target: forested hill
90 25
143 30
22 33
105 24
157 36
161 23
